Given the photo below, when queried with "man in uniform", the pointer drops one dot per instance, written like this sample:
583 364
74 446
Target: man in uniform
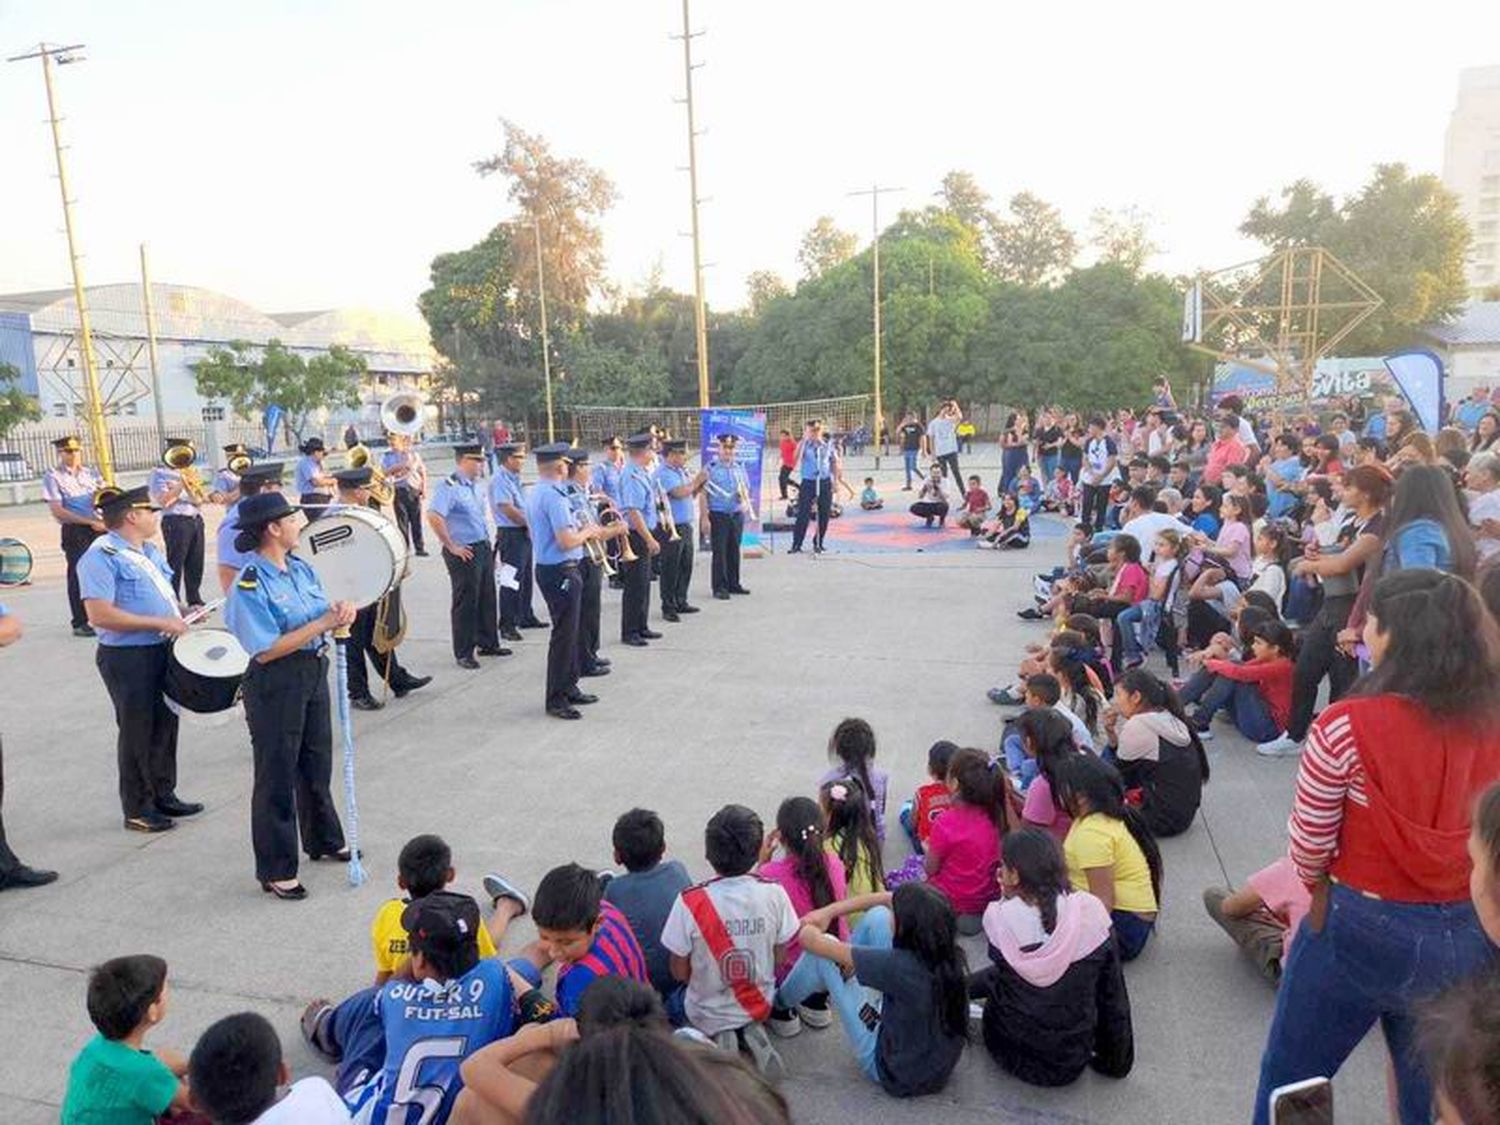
407 472
512 540
254 480
127 593
726 519
638 506
354 492
559 547
14 873
590 662
181 526
311 481
456 516
226 488
609 477
69 488
681 489
819 466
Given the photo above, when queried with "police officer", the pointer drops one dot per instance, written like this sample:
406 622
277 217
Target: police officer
681 488
13 873
69 487
582 499
638 506
127 593
181 525
279 613
311 482
254 480
456 516
512 540
354 492
726 519
609 477
407 472
226 488
819 465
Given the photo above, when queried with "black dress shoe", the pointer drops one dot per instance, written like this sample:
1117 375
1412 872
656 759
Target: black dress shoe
509 634
366 703
150 822
288 894
564 712
24 876
421 552
738 590
536 623
602 662
496 650
722 595
175 806
582 698
409 685
651 634
467 662
670 615
634 641
795 551
84 631
340 856
685 608
596 670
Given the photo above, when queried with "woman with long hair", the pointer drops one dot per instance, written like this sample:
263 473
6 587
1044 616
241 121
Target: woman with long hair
1379 832
1013 453
1070 453
1158 751
1486 432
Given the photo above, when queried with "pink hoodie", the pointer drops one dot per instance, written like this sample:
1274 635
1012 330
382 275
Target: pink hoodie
1082 926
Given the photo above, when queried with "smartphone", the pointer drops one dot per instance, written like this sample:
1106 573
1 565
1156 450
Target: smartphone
1309 1102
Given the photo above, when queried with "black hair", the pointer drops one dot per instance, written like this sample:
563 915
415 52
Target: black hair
1459 1034
984 785
1090 778
939 754
851 827
1048 737
1259 599
1045 687
121 990
1072 665
1213 494
1373 444
1085 623
1143 496
252 486
1329 443
1161 464
1041 871
732 840
1277 634
1244 511
927 928
1489 589
567 898
1095 420
639 839
799 823
1428 492
424 864
1281 547
852 743
235 1068
615 1001
1158 695
1128 545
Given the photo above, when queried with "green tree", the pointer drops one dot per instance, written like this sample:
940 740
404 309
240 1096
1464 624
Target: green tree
824 246
1034 246
595 374
764 287
252 378
16 406
968 202
1122 236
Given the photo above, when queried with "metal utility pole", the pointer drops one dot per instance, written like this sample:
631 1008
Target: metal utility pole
875 191
541 296
97 431
700 315
150 309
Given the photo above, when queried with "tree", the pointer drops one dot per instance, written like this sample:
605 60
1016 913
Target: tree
823 247
1122 237
1034 246
16 406
963 196
251 379
764 287
595 374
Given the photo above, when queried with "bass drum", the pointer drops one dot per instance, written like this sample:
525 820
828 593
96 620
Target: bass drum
358 554
15 563
205 670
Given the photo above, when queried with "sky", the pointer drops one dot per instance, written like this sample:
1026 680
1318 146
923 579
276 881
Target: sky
304 154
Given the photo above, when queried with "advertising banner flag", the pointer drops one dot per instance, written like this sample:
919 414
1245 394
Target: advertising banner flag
750 427
1419 375
272 422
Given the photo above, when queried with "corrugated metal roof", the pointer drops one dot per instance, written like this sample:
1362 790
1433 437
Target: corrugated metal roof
1479 323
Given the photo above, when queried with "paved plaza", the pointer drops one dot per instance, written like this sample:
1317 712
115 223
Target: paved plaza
734 705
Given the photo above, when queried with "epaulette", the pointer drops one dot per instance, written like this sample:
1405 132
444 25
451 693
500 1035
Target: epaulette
249 579
109 548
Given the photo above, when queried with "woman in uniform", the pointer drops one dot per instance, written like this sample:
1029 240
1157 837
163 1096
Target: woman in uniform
279 613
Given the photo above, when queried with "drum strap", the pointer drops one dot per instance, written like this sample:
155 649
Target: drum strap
142 563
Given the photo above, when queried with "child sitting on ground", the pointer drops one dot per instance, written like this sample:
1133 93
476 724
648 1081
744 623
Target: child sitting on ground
734 922
963 851
869 499
1256 693
1027 490
931 798
1043 692
852 836
236 1072
852 747
425 865
1011 527
646 892
1048 743
976 506
114 1078
1263 915
1158 754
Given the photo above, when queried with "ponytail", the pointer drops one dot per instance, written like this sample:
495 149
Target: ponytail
799 823
1158 695
1037 859
852 744
1096 782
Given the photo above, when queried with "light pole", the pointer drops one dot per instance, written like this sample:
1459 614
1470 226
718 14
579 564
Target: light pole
700 315
541 300
875 191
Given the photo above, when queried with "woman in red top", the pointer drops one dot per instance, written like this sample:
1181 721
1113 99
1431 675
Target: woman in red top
1379 833
1257 693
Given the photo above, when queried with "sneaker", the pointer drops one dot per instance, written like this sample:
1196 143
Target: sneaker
1031 614
815 1018
767 1059
727 1041
1043 587
1205 734
985 544
1279 747
784 1023
498 887
1004 697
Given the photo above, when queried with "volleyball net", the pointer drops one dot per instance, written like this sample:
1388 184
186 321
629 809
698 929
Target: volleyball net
591 426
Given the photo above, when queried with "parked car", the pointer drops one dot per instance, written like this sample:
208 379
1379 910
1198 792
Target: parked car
13 466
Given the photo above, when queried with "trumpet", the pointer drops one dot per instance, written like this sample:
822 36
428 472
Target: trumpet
627 553
583 518
664 510
181 458
380 486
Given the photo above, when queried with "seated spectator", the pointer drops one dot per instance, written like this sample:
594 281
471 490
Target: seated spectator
963 851
1010 528
1263 915
647 890
869 499
932 499
976 507
1157 752
1256 693
1047 741
1027 490
237 1074
1460 1040
1043 692
852 836
851 747
932 796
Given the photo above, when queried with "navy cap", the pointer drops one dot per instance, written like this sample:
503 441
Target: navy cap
111 499
510 448
471 450
235 447
728 438
639 441
441 924
69 444
553 451
263 508
674 445
175 441
577 456
264 471
312 445
354 478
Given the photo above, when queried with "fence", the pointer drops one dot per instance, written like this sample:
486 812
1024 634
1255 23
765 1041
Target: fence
590 426
134 446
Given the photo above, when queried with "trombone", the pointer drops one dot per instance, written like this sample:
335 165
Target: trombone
181 458
380 486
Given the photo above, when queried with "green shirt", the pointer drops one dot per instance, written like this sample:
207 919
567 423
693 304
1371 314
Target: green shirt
111 1083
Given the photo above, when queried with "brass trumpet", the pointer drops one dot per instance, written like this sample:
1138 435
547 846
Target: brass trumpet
238 463
583 519
181 458
627 553
381 489
664 511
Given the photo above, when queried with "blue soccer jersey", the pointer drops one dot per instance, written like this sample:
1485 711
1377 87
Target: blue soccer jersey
430 1028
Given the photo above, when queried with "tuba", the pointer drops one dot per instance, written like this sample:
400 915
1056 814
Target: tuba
380 486
238 463
402 413
181 458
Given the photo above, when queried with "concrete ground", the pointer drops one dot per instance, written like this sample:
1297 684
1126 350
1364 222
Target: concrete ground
734 705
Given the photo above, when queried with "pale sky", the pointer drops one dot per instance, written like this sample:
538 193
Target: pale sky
317 153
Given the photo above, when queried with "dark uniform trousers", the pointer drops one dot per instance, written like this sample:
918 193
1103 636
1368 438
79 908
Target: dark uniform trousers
409 516
514 547
361 644
76 538
807 492
472 612
287 707
635 602
8 860
562 588
183 536
685 550
592 579
146 745
676 557
725 529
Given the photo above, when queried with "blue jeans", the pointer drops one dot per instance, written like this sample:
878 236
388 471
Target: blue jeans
1011 461
1048 463
814 974
907 817
1144 614
1244 702
1022 768
1373 960
358 1037
909 461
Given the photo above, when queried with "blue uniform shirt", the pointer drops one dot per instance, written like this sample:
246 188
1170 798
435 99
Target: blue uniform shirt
225 552
266 601
396 459
226 481
307 468
457 501
161 477
113 571
549 509
506 488
638 493
610 477
817 460
722 480
73 490
682 506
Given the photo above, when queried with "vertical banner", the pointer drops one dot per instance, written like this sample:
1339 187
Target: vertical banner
1419 375
750 428
272 423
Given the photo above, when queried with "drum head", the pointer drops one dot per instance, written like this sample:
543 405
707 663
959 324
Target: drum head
358 555
15 562
215 653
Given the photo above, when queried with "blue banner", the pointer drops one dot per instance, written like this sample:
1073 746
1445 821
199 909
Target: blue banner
1419 375
273 424
750 428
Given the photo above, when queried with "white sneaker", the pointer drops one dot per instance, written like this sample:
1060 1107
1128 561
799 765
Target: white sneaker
784 1023
1043 589
1205 735
767 1059
1279 747
815 1018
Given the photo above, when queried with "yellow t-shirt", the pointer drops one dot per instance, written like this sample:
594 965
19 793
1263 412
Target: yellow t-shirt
860 880
1103 841
388 937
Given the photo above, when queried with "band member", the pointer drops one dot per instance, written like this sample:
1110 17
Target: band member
181 523
127 593
726 519
312 483
456 516
638 506
559 546
512 540
408 474
681 489
820 467
609 477
13 873
279 613
69 487
254 480
354 492
226 488
591 572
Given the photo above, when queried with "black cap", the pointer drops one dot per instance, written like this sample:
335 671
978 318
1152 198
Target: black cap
510 448
264 472
675 445
313 445
263 508
728 438
235 447
69 444
110 499
639 441
577 456
553 451
354 478
472 450
441 924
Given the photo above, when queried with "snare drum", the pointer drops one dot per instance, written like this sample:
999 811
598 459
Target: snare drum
357 554
205 670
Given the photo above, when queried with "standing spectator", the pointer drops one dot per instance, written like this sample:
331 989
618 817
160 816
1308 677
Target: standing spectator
788 449
913 438
1049 441
1473 408
942 438
1101 455
1484 503
351 436
966 433
1486 431
1070 453
1013 442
